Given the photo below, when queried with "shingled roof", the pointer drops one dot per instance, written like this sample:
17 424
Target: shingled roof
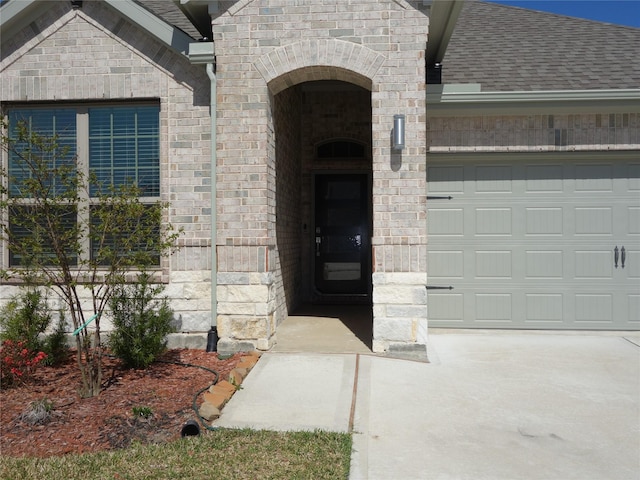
508 48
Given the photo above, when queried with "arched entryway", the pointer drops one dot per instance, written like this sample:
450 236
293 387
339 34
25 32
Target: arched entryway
272 88
322 152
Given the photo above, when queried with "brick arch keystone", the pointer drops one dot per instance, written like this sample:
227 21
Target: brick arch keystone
319 59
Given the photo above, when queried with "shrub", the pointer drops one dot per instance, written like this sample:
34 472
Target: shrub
17 362
55 345
25 318
141 322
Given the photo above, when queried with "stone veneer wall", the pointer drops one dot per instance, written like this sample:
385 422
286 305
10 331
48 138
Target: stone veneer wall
93 54
264 47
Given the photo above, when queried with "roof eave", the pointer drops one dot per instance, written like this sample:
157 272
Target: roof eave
199 13
16 15
171 36
442 21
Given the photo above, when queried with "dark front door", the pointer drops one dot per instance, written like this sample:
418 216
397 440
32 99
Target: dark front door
342 246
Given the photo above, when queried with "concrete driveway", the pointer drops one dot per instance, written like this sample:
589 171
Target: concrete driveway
490 405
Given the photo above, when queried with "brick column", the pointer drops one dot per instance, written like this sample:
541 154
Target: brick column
399 197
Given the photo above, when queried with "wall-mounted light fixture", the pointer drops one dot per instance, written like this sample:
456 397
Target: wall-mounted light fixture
398 132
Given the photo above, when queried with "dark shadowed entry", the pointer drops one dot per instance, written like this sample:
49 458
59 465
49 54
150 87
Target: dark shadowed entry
342 235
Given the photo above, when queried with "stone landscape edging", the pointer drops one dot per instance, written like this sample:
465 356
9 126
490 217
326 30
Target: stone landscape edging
221 392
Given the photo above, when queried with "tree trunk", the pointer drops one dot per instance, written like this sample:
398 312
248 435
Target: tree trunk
90 363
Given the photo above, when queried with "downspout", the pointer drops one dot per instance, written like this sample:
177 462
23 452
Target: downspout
204 53
211 72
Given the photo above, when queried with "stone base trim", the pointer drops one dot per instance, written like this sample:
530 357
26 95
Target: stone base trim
246 312
229 346
195 341
399 311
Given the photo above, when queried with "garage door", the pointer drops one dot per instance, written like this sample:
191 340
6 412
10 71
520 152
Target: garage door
534 242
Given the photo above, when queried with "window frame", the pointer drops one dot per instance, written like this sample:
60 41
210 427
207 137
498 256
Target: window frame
82 152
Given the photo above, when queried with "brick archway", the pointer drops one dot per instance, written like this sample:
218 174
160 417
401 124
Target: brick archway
319 59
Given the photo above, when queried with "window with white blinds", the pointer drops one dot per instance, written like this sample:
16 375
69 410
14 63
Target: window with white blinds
124 147
114 144
49 123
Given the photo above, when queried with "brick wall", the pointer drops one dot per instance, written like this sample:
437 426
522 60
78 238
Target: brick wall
288 216
93 54
266 47
535 133
263 48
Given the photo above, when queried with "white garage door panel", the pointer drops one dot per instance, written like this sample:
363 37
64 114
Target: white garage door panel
543 221
546 264
633 265
593 264
633 219
544 307
634 309
531 244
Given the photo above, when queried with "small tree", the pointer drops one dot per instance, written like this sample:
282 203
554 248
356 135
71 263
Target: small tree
79 248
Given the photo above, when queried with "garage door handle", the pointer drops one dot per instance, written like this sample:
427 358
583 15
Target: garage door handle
616 255
623 256
438 287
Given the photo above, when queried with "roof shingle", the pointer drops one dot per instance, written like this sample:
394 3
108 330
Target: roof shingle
508 48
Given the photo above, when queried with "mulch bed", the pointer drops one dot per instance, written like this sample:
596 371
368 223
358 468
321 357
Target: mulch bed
79 425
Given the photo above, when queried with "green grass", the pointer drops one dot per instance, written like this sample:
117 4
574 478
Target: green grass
220 454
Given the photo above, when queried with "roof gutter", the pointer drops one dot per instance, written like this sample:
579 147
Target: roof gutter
204 53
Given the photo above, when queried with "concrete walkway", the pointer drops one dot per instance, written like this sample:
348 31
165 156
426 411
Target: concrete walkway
488 406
